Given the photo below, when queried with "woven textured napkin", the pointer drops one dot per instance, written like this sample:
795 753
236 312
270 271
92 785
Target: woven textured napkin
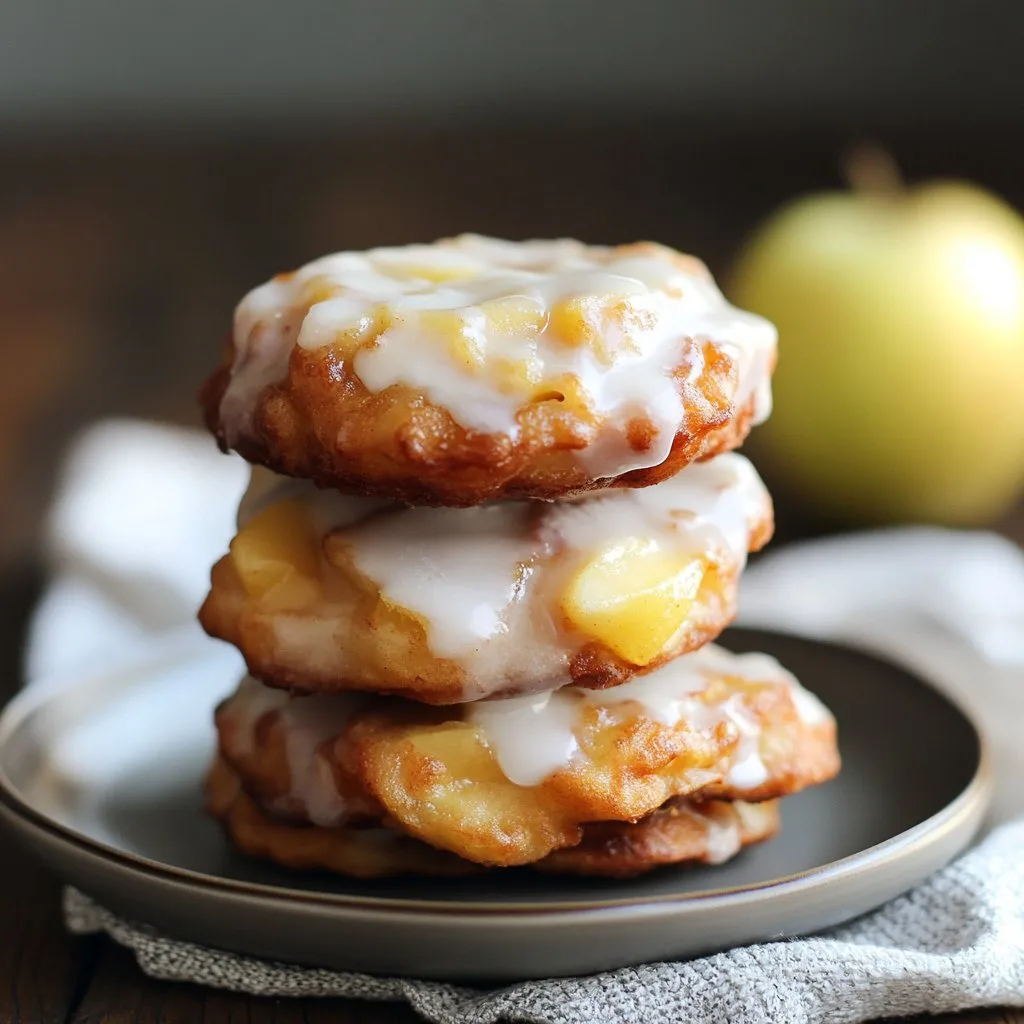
949 604
954 942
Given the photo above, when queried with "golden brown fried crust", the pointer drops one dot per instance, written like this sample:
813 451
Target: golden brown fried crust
681 832
319 660
432 775
322 424
441 783
321 651
676 834
355 852
796 754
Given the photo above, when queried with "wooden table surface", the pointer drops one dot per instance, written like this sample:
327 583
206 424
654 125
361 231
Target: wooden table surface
118 263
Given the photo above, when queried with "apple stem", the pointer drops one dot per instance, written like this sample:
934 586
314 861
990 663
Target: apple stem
872 170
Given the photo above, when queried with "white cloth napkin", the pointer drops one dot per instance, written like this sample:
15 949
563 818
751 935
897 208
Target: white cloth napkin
142 513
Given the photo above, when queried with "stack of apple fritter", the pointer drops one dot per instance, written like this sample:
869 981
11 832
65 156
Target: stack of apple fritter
494 524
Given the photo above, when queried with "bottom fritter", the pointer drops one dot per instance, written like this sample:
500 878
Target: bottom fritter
508 782
681 832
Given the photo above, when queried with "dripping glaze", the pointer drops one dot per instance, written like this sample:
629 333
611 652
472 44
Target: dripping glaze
463 572
306 722
677 303
533 736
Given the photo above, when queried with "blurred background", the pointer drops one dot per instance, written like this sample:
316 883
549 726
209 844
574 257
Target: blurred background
157 160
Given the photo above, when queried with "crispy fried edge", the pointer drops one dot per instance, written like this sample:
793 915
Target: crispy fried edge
801 755
676 834
345 851
430 459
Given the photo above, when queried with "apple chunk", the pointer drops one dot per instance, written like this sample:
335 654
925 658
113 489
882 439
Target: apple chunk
275 556
633 597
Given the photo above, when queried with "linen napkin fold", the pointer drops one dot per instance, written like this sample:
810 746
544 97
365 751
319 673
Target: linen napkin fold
144 510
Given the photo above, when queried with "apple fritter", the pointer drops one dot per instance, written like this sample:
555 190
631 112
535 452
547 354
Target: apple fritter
682 832
506 782
473 370
323 592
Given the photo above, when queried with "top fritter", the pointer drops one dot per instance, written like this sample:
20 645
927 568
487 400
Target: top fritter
475 369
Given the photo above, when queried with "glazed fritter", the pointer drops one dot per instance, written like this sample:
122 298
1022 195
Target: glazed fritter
507 782
474 369
326 593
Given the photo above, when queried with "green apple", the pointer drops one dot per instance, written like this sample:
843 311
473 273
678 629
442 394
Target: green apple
899 393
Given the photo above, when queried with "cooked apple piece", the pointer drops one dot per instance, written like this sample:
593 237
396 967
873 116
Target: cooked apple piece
440 274
603 323
633 597
577 320
517 376
515 316
444 785
275 556
463 342
635 317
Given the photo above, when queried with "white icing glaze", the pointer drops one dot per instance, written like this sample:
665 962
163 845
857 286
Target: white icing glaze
326 509
747 770
762 668
463 572
722 833
270 326
249 703
307 723
809 707
533 737
671 303
709 506
458 571
265 489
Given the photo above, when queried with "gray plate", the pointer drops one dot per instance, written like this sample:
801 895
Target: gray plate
101 777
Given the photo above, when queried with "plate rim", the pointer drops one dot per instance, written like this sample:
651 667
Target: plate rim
970 803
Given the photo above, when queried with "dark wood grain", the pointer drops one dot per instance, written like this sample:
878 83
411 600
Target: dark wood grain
42 969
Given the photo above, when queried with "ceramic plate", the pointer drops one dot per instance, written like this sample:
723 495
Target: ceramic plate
101 777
